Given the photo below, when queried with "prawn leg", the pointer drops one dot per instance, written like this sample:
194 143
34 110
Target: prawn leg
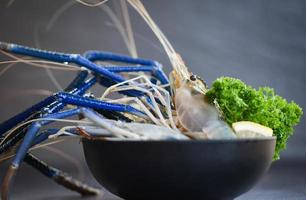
79 88
23 149
60 57
60 177
35 127
83 61
77 81
144 65
52 103
67 98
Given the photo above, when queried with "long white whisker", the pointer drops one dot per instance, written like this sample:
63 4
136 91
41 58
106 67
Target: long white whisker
175 59
9 3
42 119
134 86
102 6
92 5
63 67
155 107
118 25
11 153
6 68
69 158
138 102
57 66
18 93
48 71
128 26
58 13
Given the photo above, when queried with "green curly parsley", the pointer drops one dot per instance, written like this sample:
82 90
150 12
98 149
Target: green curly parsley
240 102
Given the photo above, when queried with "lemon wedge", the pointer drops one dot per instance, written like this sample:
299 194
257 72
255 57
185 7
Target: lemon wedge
246 129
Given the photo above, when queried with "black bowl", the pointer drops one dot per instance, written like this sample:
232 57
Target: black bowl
193 170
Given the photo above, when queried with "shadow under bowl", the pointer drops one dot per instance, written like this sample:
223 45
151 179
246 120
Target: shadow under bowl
194 169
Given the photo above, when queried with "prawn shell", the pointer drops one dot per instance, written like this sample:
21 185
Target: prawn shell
193 110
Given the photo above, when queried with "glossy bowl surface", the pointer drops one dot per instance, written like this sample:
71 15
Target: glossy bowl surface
206 169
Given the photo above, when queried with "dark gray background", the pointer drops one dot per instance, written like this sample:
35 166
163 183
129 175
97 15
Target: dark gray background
261 42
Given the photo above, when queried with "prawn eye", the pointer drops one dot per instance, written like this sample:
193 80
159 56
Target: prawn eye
193 77
200 79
